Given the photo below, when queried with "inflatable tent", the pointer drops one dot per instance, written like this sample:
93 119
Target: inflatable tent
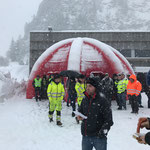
84 55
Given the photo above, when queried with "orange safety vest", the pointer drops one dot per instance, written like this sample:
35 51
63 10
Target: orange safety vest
135 87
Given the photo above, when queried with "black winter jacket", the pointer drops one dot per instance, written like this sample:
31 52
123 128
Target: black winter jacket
147 136
99 115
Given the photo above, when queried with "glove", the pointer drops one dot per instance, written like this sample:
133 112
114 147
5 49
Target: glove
103 133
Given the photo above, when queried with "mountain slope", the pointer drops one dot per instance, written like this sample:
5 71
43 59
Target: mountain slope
86 15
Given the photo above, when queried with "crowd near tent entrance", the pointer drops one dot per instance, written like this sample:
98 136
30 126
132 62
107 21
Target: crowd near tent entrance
84 55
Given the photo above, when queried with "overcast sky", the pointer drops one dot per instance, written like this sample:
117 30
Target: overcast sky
13 16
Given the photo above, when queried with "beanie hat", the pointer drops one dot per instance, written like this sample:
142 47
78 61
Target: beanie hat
93 81
56 76
81 76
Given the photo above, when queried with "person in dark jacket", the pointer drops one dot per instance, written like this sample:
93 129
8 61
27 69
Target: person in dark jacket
115 83
44 85
144 123
37 87
94 129
68 85
148 95
73 94
148 88
148 78
107 87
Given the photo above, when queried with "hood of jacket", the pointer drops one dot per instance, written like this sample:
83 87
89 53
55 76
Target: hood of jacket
133 76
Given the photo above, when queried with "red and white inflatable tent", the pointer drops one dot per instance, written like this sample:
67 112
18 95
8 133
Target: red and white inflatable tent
84 55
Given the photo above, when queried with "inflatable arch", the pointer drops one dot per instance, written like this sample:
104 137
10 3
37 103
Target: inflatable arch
84 55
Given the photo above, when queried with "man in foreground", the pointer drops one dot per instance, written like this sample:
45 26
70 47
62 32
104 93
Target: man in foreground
94 129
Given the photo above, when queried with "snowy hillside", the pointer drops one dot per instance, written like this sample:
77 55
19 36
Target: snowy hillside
104 15
98 15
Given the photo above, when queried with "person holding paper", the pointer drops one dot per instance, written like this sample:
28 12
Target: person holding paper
96 108
144 123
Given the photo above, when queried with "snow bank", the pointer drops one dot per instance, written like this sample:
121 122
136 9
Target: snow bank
12 80
25 126
16 71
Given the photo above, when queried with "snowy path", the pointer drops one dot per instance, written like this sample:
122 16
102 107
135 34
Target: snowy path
24 125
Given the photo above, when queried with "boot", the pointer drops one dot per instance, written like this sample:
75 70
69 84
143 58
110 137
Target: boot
141 106
59 123
50 119
67 104
119 108
73 114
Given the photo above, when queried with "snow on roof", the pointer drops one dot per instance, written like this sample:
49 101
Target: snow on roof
123 58
77 51
38 31
61 55
74 55
46 53
108 52
90 54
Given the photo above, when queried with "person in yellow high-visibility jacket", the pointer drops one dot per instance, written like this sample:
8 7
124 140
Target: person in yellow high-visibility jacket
121 91
80 88
37 87
55 93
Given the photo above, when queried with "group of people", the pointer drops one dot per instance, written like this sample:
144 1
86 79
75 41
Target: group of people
128 88
40 86
93 97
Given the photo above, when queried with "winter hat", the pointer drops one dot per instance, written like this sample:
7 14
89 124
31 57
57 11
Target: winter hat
93 81
56 76
37 76
81 76
121 73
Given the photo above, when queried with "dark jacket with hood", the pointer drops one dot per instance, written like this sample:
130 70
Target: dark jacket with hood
107 85
99 115
147 136
148 78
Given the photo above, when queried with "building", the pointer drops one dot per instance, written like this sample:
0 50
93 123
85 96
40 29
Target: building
135 46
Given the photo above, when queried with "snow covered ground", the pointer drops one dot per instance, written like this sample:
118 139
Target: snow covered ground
24 125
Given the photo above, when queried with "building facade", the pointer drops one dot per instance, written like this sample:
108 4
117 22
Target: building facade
135 46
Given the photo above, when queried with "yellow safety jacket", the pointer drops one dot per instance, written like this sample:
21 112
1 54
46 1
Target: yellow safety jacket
122 86
116 83
80 88
55 91
37 82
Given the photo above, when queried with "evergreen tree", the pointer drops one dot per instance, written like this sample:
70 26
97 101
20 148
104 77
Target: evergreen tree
12 52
